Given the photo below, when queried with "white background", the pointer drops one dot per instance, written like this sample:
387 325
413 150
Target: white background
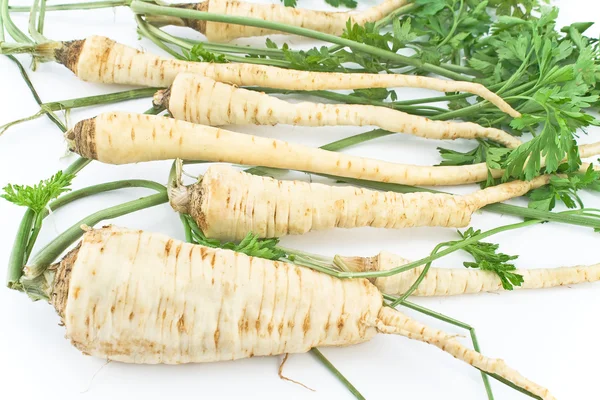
551 336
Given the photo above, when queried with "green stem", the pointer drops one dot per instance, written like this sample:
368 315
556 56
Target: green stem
55 248
37 226
317 353
41 17
144 29
99 99
11 28
457 246
388 19
77 6
51 116
140 7
17 254
32 29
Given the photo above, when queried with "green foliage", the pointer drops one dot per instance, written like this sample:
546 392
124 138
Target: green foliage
199 53
379 94
564 72
38 196
487 258
251 245
564 188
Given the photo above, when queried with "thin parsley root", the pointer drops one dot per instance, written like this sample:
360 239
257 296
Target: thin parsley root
323 21
456 281
202 100
101 60
173 302
123 138
227 204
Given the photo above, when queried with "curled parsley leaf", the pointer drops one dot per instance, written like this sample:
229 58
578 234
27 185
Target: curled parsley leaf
38 196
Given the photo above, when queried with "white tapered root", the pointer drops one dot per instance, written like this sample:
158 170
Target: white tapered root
123 138
102 60
393 322
458 281
202 100
140 297
227 204
323 21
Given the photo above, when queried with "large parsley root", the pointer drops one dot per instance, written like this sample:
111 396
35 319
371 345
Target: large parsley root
328 22
122 138
192 98
99 59
227 204
173 302
456 281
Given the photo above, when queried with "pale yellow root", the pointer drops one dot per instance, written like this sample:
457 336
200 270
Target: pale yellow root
139 297
122 138
202 100
227 204
99 59
328 22
457 281
394 322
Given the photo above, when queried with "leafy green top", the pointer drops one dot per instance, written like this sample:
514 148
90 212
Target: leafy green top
487 258
38 196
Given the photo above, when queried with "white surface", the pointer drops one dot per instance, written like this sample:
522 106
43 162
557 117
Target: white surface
550 336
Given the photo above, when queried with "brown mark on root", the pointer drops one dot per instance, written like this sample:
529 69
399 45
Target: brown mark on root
161 98
62 277
82 138
196 194
68 54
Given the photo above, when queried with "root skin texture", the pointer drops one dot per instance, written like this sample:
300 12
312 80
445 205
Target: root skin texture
102 60
141 297
227 204
457 281
192 98
123 138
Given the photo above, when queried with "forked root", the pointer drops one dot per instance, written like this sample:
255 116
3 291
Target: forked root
391 321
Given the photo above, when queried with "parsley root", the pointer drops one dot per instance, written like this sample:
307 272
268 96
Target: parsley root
123 138
322 21
456 281
99 59
174 302
192 98
227 204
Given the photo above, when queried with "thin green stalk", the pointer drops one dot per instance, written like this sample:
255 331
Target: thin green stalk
55 248
455 322
450 249
143 28
41 17
51 116
140 7
11 28
17 254
388 19
77 166
317 353
37 226
64 105
32 29
109 98
92 5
